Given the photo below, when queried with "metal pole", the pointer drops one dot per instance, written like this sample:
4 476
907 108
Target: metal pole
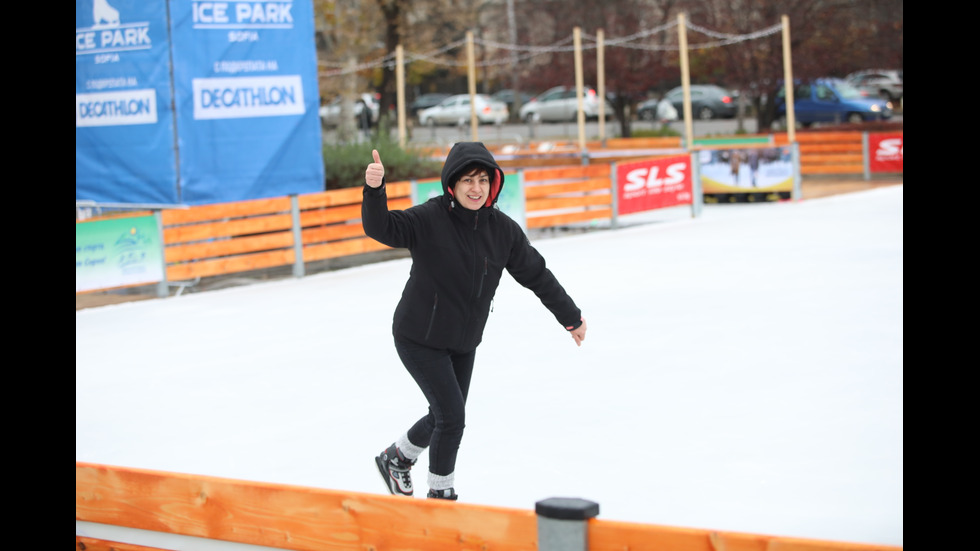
163 288
563 523
866 155
299 266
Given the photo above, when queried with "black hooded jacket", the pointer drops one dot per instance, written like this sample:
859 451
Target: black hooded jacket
458 257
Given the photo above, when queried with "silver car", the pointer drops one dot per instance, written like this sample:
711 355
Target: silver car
330 113
561 104
886 83
455 110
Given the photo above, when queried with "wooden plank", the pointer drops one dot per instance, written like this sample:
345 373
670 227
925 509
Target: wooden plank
335 232
607 535
581 186
816 148
831 169
227 247
643 143
92 544
581 201
834 158
220 211
333 215
337 249
568 218
230 264
567 172
242 226
292 517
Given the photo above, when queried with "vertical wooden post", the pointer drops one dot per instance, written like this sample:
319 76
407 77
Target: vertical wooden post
577 36
400 87
600 63
471 63
685 81
788 85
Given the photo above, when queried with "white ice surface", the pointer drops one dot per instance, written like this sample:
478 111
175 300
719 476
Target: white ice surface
743 371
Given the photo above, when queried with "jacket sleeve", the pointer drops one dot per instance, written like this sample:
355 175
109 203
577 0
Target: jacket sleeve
391 228
528 267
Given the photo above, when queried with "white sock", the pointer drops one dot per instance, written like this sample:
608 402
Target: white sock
441 482
408 449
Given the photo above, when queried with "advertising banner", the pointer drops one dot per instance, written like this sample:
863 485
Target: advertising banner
124 137
117 252
886 152
245 79
654 184
746 170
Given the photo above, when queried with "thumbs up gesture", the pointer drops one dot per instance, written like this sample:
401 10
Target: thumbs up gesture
375 172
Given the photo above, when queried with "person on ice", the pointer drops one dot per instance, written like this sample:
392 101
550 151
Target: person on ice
460 244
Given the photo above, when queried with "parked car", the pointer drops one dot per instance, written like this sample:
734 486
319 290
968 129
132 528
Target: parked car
561 104
330 112
886 83
831 100
708 101
425 101
656 110
507 96
456 110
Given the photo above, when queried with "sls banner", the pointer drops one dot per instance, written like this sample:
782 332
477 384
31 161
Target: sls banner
195 102
654 184
124 124
245 79
886 152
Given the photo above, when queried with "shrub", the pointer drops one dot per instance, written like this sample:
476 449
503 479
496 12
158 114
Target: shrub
344 164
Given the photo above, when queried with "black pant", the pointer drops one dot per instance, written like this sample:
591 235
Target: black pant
444 378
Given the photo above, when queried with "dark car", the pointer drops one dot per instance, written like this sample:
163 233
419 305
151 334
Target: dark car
707 102
831 100
507 96
425 101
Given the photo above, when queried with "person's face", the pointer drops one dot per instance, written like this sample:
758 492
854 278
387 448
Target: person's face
472 189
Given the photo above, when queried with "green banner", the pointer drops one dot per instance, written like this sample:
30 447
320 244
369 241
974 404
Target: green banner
117 252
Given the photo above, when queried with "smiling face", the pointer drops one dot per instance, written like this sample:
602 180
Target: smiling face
472 189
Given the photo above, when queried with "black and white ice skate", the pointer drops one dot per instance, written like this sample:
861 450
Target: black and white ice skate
395 469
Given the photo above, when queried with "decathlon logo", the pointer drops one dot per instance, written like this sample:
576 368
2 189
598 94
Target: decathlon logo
116 108
890 149
243 15
108 36
246 97
646 180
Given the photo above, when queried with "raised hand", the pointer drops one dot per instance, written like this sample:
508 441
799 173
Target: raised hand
375 172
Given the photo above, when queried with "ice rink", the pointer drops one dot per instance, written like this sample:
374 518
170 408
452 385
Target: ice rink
743 371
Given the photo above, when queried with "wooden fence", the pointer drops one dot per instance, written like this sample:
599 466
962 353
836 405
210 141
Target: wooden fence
311 519
228 238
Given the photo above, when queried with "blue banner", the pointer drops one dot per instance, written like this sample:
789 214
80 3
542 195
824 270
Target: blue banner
245 78
124 123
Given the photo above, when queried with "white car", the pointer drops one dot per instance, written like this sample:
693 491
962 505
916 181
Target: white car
455 110
887 83
330 112
561 104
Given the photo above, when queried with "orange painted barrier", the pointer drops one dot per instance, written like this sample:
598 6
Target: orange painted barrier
310 519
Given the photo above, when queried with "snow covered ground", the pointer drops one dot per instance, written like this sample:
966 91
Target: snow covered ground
743 371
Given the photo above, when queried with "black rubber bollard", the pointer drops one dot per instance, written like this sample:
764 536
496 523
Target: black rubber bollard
562 523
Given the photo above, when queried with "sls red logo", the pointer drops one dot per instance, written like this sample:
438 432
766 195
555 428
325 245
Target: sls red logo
891 148
649 177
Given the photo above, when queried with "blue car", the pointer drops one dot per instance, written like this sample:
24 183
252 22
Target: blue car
832 100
